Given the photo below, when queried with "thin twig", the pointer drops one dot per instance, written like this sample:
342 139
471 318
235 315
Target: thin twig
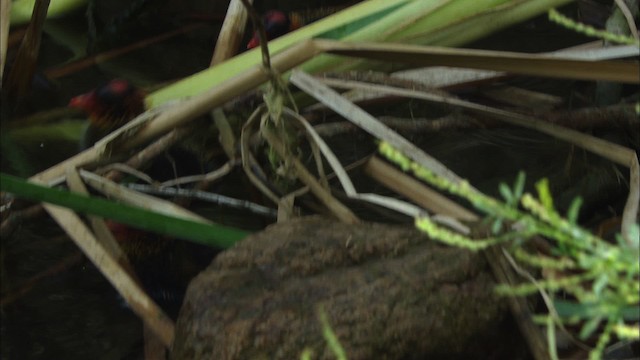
518 305
126 169
262 34
587 118
152 151
218 199
415 125
206 178
117 191
76 66
629 17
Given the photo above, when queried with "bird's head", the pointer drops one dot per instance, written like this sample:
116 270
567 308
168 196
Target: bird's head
112 104
276 23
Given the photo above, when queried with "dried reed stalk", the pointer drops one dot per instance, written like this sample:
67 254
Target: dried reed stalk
140 303
231 34
623 71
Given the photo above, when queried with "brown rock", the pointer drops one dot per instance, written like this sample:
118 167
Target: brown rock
388 292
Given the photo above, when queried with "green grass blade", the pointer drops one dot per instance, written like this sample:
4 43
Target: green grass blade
435 22
212 235
424 22
336 25
400 20
483 22
451 12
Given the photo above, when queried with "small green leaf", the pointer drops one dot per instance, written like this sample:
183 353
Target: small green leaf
574 210
631 313
496 226
590 327
545 194
506 193
330 337
567 309
306 354
600 283
518 186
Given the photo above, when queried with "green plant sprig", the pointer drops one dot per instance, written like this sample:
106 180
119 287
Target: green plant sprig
452 238
528 224
541 261
587 30
604 277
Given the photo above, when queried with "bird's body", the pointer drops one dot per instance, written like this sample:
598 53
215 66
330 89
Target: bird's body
163 265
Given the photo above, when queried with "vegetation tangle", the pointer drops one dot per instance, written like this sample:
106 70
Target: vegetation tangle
591 281
335 68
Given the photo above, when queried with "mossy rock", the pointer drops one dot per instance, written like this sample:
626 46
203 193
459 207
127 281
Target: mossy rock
388 292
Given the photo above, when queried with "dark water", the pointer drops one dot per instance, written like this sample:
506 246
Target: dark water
73 313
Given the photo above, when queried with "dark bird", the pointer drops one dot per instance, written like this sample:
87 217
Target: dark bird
163 265
114 104
276 23
108 107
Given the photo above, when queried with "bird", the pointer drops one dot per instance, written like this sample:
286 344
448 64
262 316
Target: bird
109 106
115 103
276 23
163 265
